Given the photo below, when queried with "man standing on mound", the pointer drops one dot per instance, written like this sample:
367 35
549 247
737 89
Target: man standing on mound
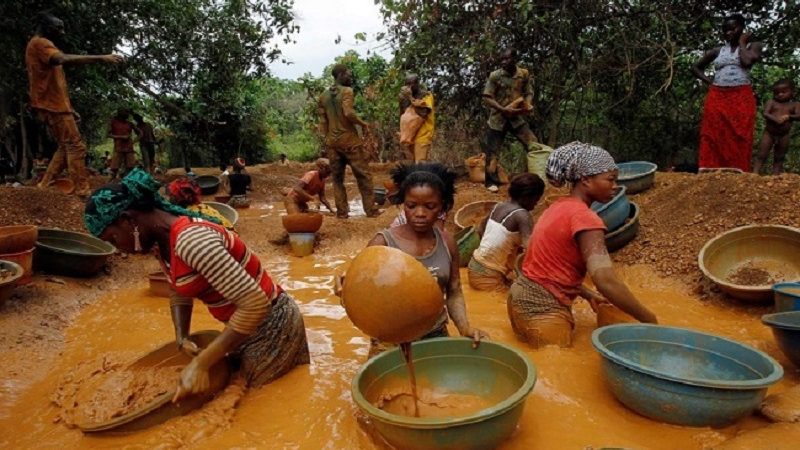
337 123
50 99
509 96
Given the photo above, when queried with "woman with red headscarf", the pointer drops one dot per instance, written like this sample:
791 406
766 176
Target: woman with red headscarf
186 192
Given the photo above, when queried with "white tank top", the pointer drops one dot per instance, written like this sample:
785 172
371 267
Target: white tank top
497 243
728 70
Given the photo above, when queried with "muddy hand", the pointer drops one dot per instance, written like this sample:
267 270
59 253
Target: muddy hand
477 335
194 380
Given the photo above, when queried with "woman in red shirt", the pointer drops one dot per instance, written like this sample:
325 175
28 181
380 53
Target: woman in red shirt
567 242
263 326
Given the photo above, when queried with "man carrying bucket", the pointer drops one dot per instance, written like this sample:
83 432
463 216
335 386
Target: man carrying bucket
509 96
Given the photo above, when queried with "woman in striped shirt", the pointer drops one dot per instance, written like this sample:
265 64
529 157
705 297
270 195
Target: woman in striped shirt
263 325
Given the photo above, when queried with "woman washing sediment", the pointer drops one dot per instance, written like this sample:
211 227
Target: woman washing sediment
425 190
568 241
503 233
264 329
185 192
729 112
310 185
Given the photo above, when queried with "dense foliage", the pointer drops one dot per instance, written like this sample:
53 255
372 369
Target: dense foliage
193 65
612 72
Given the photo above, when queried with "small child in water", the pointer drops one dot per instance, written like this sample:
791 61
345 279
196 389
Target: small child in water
779 111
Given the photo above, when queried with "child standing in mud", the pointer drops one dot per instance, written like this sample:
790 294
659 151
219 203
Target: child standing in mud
779 112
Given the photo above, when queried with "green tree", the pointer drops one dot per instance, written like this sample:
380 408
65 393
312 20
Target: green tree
611 72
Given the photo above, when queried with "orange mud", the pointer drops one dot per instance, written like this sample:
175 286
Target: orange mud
311 407
119 392
570 407
395 398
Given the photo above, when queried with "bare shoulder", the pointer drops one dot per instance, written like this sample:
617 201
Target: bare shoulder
378 239
449 240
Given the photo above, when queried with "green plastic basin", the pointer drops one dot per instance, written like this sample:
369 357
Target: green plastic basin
70 253
492 370
468 241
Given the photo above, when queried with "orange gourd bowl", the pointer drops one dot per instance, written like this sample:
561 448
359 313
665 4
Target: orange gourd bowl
391 296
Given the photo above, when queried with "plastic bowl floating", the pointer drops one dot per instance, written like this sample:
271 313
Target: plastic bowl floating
70 253
468 241
209 184
9 281
17 238
615 211
159 285
162 409
473 213
626 233
302 222
226 211
786 329
391 296
63 185
636 176
787 296
771 249
681 376
494 371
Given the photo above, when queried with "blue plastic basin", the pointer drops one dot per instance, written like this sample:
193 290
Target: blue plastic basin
637 176
787 296
682 376
786 329
615 211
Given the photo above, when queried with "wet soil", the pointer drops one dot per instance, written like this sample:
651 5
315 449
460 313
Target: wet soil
51 326
752 276
683 211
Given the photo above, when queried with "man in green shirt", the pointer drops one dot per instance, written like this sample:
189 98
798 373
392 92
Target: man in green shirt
337 123
509 96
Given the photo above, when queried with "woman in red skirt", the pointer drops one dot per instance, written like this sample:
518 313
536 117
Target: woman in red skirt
729 113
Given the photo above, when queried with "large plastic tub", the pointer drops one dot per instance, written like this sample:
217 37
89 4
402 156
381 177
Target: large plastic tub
682 376
451 364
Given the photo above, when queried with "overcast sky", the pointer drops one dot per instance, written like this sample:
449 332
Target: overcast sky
321 21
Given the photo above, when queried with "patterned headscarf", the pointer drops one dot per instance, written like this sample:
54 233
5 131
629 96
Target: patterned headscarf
138 190
572 161
184 192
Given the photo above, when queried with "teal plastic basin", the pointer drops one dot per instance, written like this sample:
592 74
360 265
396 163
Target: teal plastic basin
452 365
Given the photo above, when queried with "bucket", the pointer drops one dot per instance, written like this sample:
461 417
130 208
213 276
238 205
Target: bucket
537 159
787 296
24 259
302 244
476 167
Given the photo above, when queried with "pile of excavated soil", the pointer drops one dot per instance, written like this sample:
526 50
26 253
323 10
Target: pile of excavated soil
683 211
42 207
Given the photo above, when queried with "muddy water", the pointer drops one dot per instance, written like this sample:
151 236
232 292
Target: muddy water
570 407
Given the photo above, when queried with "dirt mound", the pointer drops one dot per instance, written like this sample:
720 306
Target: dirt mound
43 207
683 211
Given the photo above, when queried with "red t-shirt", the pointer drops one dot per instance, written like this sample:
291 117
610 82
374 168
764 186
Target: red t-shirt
314 184
553 258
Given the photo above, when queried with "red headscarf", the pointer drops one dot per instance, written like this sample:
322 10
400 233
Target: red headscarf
184 192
